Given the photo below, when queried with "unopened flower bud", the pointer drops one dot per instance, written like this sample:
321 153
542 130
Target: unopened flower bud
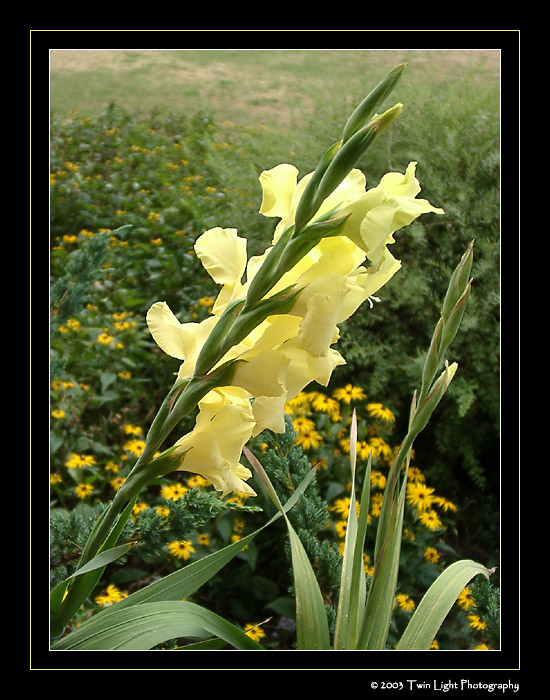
427 406
459 280
364 111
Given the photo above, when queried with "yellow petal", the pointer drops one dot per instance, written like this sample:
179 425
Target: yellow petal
180 340
176 339
278 185
269 414
399 184
263 375
318 327
223 254
213 448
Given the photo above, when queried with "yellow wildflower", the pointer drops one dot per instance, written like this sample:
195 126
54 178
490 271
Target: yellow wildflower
349 393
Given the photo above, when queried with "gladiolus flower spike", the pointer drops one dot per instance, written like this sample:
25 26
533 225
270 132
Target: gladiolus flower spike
276 319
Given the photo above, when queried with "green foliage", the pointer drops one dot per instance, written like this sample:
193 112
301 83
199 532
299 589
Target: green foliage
487 602
287 465
130 194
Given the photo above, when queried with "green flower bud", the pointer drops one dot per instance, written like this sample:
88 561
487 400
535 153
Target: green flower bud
305 210
452 321
351 152
211 352
427 406
459 280
265 279
431 362
364 111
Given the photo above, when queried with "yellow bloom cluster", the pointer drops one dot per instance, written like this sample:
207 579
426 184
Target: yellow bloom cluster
286 351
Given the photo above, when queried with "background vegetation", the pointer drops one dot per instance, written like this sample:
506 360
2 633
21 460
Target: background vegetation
151 148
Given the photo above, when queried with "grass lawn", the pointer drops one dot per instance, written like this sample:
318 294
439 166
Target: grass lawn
249 86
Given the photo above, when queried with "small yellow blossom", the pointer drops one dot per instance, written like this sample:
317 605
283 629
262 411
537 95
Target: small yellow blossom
83 490
117 483
476 622
104 338
172 492
377 410
181 549
430 519
420 496
255 632
465 600
405 602
308 439
163 511
112 595
378 479
77 461
135 446
431 554
349 393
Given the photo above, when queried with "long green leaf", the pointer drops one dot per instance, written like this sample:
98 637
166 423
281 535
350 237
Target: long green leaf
82 585
144 626
312 630
353 584
185 581
380 601
103 558
437 602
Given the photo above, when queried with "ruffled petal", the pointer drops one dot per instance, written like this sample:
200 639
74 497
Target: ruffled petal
223 254
278 185
174 338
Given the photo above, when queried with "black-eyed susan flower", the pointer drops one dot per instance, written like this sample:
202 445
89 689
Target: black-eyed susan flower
163 511
465 600
171 492
341 506
77 461
405 602
420 496
255 632
112 595
378 479
377 410
430 519
349 393
431 554
135 446
84 490
476 622
181 549
308 439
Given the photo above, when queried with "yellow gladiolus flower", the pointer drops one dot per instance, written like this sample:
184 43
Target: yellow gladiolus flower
213 448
